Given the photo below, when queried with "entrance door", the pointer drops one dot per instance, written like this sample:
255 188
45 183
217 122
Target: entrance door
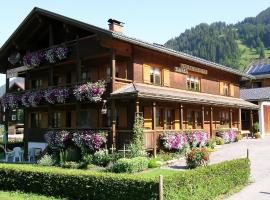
266 111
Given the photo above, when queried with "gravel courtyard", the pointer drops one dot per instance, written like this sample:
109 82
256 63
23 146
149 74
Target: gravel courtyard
259 154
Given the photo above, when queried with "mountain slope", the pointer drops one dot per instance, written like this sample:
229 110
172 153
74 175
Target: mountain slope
232 45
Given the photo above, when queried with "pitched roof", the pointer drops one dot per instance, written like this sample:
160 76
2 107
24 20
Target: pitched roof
259 67
255 94
123 37
176 95
16 81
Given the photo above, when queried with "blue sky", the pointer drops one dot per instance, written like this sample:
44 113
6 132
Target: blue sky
150 20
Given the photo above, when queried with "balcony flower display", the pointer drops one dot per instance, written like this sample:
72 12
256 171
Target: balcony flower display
35 98
10 101
25 99
55 140
56 95
32 59
174 140
197 138
49 56
229 135
90 91
60 52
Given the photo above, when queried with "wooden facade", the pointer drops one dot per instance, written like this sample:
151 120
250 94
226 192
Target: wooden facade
96 55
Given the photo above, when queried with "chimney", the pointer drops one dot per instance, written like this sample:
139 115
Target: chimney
115 25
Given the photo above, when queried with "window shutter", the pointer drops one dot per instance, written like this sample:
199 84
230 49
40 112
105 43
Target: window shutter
221 88
148 117
231 90
146 73
166 77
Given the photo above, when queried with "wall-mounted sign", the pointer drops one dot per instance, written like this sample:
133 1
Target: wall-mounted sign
14 72
184 68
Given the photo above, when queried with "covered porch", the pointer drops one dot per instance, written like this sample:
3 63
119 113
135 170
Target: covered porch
166 109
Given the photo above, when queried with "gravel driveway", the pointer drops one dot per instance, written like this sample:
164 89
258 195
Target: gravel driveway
259 154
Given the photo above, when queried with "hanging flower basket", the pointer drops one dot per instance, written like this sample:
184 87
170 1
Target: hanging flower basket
35 98
61 52
25 99
56 95
90 91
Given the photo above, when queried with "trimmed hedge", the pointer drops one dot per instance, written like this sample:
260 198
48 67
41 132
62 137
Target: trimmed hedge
130 165
76 184
199 184
206 183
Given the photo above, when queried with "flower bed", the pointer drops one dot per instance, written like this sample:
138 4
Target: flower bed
177 141
228 136
197 157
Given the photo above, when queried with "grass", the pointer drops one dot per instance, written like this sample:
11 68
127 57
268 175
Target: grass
152 173
248 54
23 196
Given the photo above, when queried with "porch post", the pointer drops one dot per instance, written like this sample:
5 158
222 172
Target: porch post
154 128
113 110
211 121
251 121
6 113
231 120
113 69
202 117
137 107
181 117
239 119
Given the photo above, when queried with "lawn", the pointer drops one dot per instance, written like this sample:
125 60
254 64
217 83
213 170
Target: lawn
157 171
23 196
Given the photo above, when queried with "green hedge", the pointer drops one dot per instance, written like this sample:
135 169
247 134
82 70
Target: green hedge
130 165
202 183
206 183
76 184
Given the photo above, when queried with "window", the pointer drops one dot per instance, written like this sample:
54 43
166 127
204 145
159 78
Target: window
84 119
226 89
108 73
193 83
86 76
68 119
194 118
159 117
224 117
56 120
35 120
169 118
20 115
155 76
57 80
13 117
257 84
36 83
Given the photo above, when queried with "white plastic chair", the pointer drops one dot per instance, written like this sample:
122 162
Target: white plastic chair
32 155
17 154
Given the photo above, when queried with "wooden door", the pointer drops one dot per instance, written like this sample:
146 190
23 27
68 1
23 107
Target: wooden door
266 111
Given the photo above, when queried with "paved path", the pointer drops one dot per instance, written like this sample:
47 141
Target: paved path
259 153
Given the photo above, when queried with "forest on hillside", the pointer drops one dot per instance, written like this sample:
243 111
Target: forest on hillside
233 45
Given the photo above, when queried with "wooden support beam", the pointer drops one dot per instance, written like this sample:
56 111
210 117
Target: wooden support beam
181 117
154 126
137 107
202 117
251 120
239 119
211 121
7 112
231 118
113 111
113 70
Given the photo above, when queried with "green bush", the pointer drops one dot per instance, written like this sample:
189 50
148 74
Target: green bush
74 165
76 184
238 137
197 157
257 135
102 158
211 143
207 182
130 165
219 141
154 163
46 160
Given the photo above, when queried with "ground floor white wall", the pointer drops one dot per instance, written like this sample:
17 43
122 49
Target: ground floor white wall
261 116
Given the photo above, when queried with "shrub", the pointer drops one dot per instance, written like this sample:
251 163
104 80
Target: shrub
257 135
76 184
46 160
154 163
238 137
197 138
197 157
74 165
101 158
207 182
219 141
174 141
211 143
130 165
256 127
227 135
